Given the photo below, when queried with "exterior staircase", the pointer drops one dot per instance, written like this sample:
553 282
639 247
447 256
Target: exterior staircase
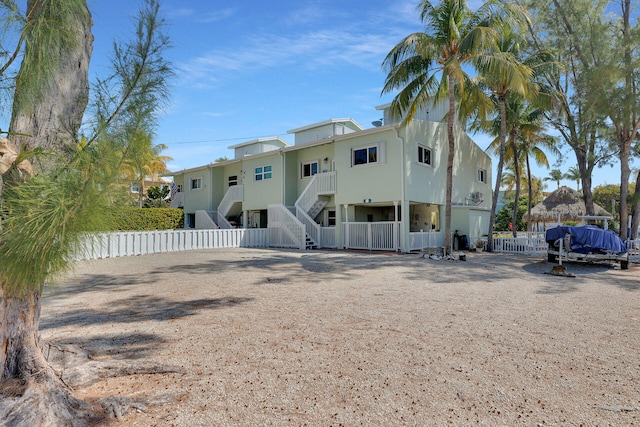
310 243
235 194
311 203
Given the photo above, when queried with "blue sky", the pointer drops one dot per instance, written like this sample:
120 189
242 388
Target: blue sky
250 69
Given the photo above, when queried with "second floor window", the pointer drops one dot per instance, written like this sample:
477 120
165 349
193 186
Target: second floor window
364 156
482 175
263 173
424 155
196 183
309 169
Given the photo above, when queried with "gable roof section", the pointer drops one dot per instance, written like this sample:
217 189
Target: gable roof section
276 140
348 122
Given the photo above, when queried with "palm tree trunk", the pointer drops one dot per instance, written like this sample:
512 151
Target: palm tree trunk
450 156
530 201
516 170
496 190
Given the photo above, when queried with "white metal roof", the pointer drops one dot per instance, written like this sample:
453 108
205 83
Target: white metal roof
349 122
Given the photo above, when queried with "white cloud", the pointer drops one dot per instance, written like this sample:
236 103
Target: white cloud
320 48
218 15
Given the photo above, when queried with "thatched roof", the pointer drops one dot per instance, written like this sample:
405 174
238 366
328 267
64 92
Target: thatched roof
564 201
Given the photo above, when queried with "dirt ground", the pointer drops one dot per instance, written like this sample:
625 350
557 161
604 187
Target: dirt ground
260 337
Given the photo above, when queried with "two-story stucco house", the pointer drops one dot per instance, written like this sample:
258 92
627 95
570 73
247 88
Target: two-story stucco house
342 186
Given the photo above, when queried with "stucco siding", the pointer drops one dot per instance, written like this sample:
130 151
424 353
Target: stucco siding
197 199
378 181
258 194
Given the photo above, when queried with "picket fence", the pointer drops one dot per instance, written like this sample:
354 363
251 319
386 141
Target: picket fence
537 246
132 243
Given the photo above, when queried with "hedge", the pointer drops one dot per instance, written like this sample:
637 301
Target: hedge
143 219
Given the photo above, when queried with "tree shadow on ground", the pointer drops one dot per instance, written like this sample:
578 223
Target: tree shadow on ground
121 346
277 263
137 309
95 283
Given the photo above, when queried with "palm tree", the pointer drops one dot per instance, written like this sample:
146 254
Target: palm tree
533 143
573 174
428 65
141 160
525 125
555 175
511 77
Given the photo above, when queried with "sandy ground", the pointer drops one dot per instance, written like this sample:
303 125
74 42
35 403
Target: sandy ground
271 337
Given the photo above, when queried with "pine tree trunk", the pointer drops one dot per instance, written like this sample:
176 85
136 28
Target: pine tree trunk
49 108
33 395
54 117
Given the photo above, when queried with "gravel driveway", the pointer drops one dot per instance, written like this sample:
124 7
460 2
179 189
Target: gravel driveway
273 337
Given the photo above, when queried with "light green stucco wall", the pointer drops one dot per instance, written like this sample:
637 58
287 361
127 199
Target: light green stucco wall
199 199
259 194
379 182
427 184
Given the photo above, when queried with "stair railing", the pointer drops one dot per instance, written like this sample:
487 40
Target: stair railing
322 183
233 195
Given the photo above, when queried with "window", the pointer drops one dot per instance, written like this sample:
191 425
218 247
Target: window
424 155
196 183
135 188
331 218
233 180
179 188
364 156
262 173
482 175
309 169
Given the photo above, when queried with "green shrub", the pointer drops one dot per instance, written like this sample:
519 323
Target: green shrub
141 219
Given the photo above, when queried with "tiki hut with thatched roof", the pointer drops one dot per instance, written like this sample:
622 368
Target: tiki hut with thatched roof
564 203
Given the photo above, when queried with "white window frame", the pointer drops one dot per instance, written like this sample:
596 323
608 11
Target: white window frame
193 187
310 165
263 173
368 148
423 148
135 188
482 175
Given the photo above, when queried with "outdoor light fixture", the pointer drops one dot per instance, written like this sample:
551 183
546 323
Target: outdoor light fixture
366 201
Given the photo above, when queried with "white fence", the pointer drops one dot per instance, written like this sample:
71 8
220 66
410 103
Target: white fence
130 243
633 247
371 235
328 237
285 230
538 246
420 240
520 245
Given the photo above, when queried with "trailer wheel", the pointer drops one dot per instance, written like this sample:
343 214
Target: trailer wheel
551 258
624 265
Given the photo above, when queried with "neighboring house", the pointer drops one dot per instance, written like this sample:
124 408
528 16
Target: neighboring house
134 187
346 187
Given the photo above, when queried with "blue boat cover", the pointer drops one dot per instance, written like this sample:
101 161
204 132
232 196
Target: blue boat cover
588 238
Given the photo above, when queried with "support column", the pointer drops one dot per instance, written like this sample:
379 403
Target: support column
345 237
398 232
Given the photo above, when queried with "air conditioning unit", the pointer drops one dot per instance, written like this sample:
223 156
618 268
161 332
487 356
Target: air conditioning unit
476 197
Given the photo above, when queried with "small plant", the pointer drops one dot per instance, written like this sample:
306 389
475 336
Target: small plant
479 244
